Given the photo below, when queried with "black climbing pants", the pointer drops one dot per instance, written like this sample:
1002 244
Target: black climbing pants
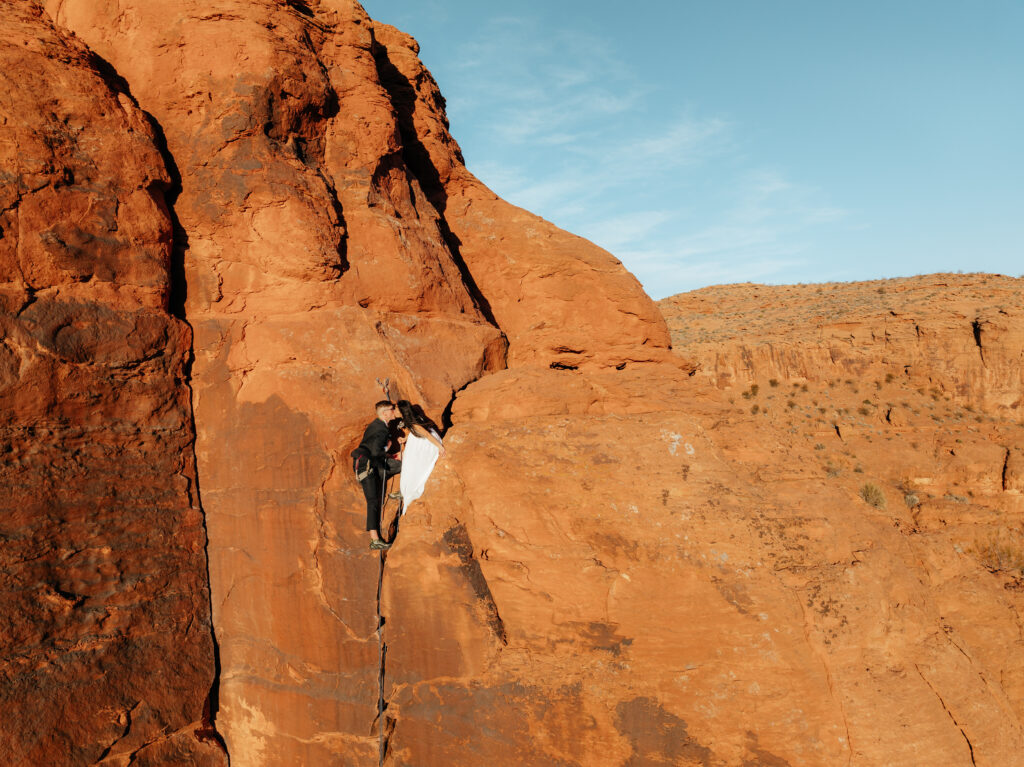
373 489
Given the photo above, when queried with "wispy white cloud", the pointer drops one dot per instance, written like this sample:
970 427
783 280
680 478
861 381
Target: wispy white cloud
567 132
685 141
619 233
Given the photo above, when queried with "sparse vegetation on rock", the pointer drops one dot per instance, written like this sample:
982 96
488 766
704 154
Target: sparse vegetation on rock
872 495
1001 552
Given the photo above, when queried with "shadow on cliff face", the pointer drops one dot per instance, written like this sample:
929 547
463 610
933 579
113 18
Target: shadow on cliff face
657 736
296 125
457 539
164 195
402 94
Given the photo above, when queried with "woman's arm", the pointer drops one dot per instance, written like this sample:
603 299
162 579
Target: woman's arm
428 434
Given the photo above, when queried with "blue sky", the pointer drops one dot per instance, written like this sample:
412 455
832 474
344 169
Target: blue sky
742 140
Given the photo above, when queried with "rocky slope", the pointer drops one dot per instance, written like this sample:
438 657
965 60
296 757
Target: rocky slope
824 390
615 564
959 333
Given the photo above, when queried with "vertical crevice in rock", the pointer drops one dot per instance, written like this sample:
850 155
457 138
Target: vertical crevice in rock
166 197
208 727
446 414
1006 466
178 291
384 725
417 160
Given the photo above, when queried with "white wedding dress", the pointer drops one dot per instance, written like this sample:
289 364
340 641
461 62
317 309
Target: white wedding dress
418 461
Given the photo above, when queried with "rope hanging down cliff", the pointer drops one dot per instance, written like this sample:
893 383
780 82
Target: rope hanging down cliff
382 652
382 648
375 461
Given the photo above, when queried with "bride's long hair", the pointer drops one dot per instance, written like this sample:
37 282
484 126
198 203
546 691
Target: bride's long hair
409 415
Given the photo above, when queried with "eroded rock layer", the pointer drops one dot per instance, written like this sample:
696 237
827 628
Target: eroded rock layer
960 333
104 608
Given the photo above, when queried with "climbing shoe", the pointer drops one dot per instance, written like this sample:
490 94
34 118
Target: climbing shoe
379 545
396 496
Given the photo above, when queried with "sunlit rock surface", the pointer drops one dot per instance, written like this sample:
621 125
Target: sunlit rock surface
107 651
789 542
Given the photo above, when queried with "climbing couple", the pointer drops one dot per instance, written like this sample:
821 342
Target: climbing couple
380 455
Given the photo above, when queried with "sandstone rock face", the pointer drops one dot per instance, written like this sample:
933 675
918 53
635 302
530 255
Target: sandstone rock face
561 301
703 584
722 558
104 608
329 239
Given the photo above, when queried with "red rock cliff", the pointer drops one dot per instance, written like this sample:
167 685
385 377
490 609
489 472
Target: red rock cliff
329 235
104 608
617 563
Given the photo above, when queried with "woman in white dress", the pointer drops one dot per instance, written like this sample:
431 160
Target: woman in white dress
422 449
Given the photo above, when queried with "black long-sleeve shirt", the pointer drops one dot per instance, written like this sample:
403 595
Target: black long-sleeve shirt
375 440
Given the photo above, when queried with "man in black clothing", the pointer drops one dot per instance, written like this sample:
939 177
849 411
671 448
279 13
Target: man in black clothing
373 466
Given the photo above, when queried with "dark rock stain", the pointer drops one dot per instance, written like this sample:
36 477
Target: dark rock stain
458 541
657 736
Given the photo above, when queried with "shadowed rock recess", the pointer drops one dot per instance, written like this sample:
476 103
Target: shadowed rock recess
794 541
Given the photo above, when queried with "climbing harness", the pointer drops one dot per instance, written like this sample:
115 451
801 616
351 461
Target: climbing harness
361 465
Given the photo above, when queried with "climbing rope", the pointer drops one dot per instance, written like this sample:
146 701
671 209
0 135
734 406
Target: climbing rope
380 667
385 386
380 621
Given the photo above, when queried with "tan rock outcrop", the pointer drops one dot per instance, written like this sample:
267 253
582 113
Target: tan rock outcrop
961 335
104 608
